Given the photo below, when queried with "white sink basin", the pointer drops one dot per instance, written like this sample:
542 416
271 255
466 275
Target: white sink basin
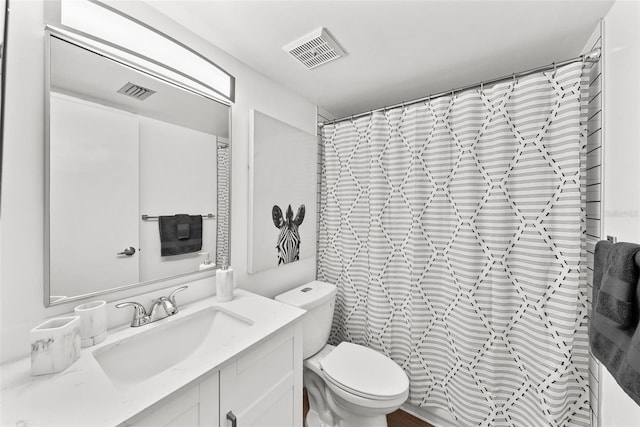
166 343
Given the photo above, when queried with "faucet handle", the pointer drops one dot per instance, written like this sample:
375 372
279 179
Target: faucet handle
140 316
171 306
172 294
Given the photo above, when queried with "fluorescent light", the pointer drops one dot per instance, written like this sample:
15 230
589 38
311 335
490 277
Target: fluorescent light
157 52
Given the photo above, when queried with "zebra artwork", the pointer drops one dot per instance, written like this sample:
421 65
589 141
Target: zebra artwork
288 244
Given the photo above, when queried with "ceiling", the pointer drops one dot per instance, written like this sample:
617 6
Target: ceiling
396 50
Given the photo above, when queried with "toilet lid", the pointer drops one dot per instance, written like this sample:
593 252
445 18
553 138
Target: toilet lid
364 372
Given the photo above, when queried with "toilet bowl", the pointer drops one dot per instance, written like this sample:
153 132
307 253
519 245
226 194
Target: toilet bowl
351 385
348 385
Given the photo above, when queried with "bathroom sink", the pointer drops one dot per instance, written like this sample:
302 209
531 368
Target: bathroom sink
167 342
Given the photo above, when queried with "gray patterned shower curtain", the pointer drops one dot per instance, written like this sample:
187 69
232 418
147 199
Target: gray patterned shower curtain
455 231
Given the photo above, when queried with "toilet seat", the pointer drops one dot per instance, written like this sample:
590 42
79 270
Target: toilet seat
365 373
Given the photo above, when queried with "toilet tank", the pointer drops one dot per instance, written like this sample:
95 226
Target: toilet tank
318 298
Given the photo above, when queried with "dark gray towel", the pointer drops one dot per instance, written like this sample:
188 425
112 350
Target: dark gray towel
617 361
617 349
600 257
180 234
616 300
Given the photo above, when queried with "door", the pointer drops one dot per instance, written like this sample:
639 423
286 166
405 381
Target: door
93 196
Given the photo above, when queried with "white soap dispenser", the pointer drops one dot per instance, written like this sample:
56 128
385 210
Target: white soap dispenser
224 283
206 264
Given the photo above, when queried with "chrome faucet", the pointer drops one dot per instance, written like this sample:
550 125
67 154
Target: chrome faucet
140 316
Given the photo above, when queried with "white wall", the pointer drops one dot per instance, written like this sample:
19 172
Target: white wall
253 91
21 225
621 165
177 175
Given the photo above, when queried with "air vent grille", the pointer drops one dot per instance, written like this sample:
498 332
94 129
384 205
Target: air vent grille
315 49
136 91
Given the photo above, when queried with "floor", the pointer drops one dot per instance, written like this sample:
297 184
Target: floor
398 418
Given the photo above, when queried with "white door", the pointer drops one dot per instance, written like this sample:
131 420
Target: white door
93 196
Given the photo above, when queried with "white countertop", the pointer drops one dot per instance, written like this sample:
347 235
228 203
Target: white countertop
83 395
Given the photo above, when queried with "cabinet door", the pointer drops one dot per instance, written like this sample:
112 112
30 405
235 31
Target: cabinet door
195 405
179 409
264 387
209 410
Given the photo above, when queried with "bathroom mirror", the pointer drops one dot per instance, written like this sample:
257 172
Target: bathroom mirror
125 146
4 17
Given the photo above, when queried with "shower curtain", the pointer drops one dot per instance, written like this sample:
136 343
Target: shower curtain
455 232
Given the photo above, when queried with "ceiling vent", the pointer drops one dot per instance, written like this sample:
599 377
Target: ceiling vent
135 91
315 49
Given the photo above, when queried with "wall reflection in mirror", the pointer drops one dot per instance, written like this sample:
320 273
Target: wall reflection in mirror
4 15
125 148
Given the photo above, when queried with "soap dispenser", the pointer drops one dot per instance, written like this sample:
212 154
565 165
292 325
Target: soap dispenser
224 283
207 264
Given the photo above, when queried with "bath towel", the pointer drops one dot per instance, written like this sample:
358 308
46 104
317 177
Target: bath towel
617 297
617 348
180 234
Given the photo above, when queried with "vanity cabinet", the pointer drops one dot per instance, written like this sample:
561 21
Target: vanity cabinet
194 405
264 387
261 387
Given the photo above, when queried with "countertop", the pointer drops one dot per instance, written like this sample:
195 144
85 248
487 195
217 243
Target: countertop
83 395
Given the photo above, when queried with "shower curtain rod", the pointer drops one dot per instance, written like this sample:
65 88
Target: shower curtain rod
592 56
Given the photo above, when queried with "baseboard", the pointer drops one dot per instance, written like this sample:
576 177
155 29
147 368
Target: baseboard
435 416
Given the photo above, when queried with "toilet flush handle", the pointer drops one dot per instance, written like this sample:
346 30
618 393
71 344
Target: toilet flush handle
231 417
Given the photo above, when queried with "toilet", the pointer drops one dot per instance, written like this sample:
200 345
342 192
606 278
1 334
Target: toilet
348 385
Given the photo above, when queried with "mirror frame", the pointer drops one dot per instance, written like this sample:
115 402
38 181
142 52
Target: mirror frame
4 36
96 46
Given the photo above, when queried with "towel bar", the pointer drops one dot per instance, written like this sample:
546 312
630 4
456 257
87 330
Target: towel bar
150 217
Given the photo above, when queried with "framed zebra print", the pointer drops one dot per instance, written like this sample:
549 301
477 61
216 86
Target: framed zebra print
283 200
